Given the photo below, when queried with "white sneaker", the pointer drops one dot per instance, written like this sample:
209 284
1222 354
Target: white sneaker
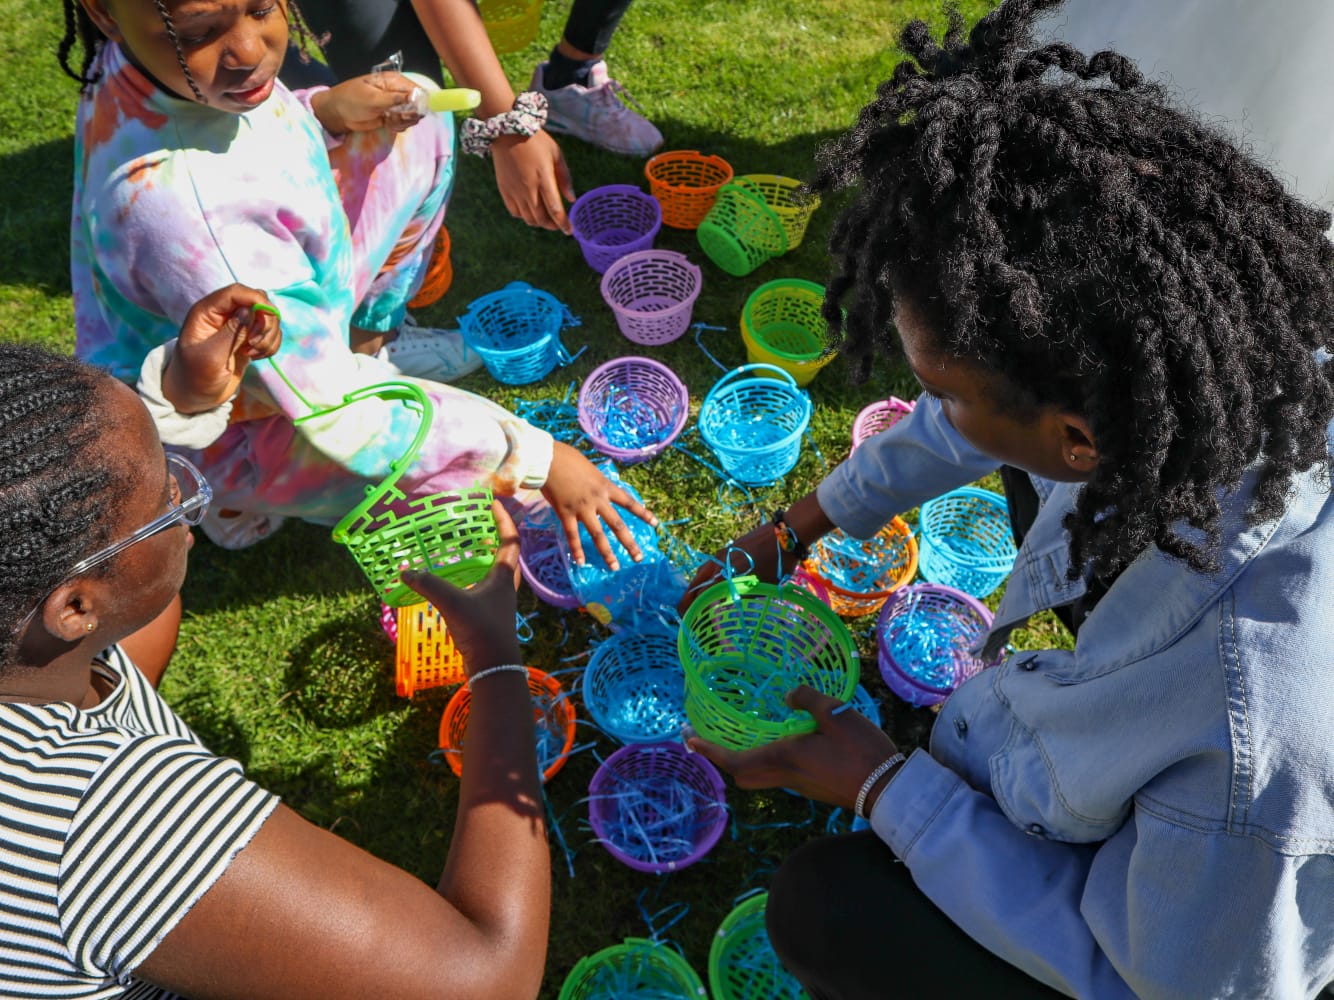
239 529
596 114
425 352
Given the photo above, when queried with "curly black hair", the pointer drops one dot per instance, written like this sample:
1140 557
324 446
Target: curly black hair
56 482
1058 222
80 30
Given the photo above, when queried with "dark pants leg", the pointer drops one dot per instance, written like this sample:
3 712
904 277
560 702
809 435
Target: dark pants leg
592 23
365 32
846 919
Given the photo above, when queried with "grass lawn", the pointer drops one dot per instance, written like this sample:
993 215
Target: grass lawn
282 663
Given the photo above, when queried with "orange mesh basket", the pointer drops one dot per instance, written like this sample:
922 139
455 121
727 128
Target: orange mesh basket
686 183
425 656
510 24
553 717
862 573
439 274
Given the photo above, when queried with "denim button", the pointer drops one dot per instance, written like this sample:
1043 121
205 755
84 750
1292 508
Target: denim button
1036 830
961 727
1029 662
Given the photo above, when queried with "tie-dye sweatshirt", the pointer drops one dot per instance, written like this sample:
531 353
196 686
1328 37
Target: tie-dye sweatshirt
173 199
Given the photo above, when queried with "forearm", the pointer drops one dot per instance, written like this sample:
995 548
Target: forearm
456 30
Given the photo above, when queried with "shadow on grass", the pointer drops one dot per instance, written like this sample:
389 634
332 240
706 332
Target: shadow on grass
36 185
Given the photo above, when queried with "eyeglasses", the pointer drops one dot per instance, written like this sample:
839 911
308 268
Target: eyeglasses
190 496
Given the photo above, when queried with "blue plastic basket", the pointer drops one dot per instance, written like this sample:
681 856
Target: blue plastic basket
964 541
924 635
754 423
516 332
634 687
864 702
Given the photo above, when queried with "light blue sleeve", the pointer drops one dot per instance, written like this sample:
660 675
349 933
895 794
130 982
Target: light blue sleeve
1160 910
920 457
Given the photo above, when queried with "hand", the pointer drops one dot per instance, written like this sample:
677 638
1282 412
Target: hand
480 619
829 764
221 335
579 494
755 553
532 177
366 103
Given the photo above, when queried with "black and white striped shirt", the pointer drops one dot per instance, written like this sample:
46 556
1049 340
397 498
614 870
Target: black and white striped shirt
113 823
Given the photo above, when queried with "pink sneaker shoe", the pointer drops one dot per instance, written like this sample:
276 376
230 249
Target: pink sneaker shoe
597 114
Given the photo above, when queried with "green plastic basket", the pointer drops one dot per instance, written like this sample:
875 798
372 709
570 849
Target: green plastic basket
744 644
636 968
450 535
741 231
742 963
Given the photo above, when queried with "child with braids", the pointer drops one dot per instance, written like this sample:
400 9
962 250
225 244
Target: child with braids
1131 318
197 168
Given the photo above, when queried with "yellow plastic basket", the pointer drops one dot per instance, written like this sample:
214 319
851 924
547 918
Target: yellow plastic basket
781 325
510 24
779 193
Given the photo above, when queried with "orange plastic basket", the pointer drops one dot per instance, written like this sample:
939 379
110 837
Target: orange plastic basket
686 183
862 573
439 274
553 715
426 656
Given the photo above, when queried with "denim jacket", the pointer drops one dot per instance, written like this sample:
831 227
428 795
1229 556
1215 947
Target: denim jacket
1150 814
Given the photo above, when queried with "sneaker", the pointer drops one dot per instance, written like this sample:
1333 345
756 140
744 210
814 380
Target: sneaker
238 529
597 115
425 352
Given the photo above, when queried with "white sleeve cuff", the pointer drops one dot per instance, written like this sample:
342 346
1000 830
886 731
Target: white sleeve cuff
185 430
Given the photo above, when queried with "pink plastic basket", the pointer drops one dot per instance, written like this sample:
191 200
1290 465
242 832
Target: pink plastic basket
880 415
612 221
632 408
652 294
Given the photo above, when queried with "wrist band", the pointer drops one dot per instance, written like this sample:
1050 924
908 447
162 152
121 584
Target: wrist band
870 781
526 118
787 538
504 668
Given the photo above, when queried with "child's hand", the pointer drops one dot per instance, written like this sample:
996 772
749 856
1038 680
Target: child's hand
579 494
221 335
365 103
755 553
480 619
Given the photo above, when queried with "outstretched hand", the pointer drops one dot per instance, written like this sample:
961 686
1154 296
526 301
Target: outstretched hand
480 618
533 179
829 764
580 494
222 333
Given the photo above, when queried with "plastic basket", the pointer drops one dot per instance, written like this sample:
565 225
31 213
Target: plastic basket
450 535
966 541
510 24
635 969
879 416
806 580
553 718
924 634
542 561
779 193
781 325
864 702
741 231
425 656
686 183
612 221
516 332
439 274
754 423
634 688
652 294
632 408
656 807
742 963
862 572
744 645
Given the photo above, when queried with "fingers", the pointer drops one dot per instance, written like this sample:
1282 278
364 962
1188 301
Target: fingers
549 191
592 520
571 525
507 555
810 700
563 178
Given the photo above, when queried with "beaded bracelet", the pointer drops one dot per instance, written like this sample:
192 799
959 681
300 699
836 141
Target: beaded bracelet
787 538
871 779
526 118
503 668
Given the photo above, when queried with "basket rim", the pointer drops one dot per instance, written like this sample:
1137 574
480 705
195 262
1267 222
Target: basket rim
901 525
882 651
756 334
732 379
592 194
463 697
739 914
627 260
678 155
583 407
468 318
603 652
678 965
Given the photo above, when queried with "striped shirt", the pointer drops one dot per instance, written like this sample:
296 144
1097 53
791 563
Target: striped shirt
113 823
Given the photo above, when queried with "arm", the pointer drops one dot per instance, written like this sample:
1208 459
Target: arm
300 913
530 171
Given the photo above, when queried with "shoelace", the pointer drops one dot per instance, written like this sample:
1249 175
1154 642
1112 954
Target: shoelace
615 90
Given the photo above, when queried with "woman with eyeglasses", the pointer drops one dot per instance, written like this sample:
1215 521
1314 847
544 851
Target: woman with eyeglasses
138 864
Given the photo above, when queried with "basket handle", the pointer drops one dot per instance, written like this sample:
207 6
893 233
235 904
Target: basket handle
743 370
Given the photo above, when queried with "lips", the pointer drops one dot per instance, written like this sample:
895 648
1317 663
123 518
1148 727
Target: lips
253 96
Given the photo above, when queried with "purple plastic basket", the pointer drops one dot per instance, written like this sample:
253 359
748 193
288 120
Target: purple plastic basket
879 416
612 221
652 294
631 408
657 808
924 633
542 561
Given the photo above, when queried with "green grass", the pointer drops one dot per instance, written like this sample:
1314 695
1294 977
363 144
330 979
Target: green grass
282 663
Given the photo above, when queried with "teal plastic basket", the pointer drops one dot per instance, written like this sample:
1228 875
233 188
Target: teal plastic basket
753 419
516 332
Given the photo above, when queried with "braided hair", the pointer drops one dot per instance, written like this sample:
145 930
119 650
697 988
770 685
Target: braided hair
80 30
56 484
1055 220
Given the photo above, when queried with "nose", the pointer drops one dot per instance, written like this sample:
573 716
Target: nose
246 46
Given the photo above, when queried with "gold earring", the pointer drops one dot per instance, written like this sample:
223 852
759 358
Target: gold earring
90 626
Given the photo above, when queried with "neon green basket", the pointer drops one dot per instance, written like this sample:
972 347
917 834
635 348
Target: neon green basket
744 644
742 963
637 968
450 535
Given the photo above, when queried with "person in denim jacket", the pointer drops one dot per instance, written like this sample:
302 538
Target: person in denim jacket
1131 317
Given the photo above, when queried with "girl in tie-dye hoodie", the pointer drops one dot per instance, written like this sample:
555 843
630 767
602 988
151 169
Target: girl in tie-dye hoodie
196 168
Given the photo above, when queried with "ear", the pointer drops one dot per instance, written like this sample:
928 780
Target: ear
70 613
1079 452
101 16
